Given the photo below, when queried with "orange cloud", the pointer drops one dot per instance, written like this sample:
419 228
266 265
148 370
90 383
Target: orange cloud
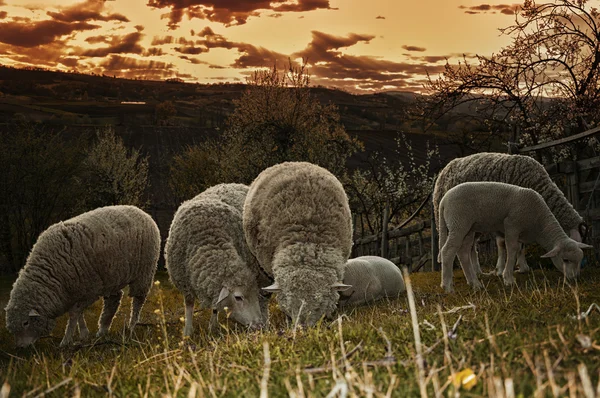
507 9
231 12
37 33
414 48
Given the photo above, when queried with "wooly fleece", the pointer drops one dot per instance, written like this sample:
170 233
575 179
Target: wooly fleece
520 214
74 262
298 224
372 278
520 170
208 259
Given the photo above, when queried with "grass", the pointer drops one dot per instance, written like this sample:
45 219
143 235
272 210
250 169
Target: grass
524 341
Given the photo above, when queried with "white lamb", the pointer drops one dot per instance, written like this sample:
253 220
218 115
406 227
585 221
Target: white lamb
372 278
520 214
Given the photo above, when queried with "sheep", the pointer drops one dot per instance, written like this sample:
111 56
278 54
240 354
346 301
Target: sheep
74 262
298 224
208 259
519 214
518 170
372 278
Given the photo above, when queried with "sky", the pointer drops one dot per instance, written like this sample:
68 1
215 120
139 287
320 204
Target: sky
361 46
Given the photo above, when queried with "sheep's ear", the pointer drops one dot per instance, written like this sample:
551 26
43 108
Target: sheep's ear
223 295
340 287
274 288
584 246
551 253
34 313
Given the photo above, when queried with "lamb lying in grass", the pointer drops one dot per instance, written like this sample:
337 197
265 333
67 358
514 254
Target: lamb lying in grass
372 278
520 214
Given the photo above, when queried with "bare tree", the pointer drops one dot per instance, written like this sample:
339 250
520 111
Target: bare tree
544 84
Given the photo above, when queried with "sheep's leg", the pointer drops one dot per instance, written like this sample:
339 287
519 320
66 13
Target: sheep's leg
188 329
213 324
512 250
522 261
111 304
136 308
448 252
84 332
475 258
464 255
71 325
501 263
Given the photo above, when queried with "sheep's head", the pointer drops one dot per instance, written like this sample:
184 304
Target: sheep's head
566 256
306 295
243 304
27 325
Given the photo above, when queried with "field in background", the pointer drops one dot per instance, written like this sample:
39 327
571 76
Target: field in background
526 339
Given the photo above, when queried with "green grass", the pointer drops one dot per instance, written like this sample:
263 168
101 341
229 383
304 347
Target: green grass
525 336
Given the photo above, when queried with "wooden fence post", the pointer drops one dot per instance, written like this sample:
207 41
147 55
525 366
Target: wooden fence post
384 231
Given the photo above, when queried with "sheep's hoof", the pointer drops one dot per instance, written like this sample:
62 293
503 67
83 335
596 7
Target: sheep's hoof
477 286
84 335
448 288
65 343
101 332
523 269
509 281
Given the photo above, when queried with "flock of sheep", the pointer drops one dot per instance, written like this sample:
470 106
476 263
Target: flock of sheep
290 234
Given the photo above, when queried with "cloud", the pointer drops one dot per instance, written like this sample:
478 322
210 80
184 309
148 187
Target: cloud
90 10
2 3
159 41
128 44
414 48
232 12
191 50
507 9
135 68
379 17
41 32
3 14
330 66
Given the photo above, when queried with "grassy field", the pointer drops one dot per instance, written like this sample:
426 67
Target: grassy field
525 341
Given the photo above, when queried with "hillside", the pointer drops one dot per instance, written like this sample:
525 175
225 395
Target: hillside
97 100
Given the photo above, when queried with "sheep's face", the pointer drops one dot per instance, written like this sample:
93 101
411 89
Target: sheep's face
567 257
242 303
27 326
307 298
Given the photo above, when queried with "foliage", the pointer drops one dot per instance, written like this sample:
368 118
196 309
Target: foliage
390 181
194 170
545 83
38 186
277 119
525 339
113 174
164 112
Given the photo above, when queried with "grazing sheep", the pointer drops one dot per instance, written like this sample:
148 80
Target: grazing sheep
372 278
74 262
518 170
208 259
298 224
519 214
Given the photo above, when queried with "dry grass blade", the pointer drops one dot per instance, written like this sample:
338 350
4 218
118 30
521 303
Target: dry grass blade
55 387
416 334
264 382
586 382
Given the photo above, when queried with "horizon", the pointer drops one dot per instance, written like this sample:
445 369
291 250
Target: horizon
361 47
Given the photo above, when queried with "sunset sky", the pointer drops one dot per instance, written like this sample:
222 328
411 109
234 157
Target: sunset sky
359 45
